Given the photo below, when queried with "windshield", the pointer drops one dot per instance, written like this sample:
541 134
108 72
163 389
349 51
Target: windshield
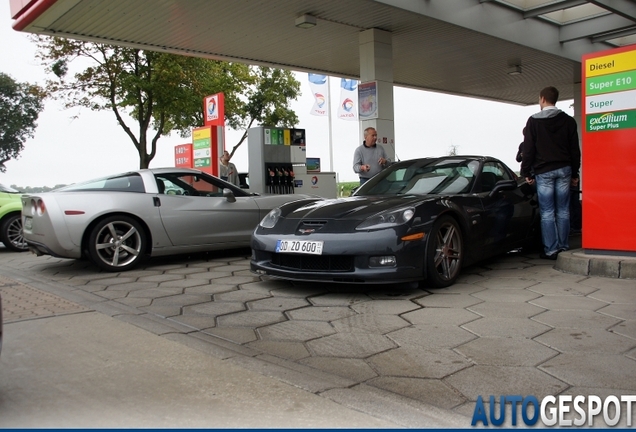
422 177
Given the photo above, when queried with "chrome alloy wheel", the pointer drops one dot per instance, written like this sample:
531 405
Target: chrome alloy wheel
117 244
12 235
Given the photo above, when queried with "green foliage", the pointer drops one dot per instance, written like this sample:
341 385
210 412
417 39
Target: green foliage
164 92
29 189
20 106
346 188
267 102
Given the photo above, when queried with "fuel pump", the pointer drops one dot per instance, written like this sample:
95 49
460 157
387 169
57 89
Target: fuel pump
278 164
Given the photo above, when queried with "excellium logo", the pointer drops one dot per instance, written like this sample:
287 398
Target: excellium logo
563 410
611 121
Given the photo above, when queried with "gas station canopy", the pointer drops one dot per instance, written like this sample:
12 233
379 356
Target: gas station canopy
503 50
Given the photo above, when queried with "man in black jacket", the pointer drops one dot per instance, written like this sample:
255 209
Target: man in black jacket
552 158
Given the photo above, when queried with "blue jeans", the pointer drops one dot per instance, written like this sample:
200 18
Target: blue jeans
363 180
553 192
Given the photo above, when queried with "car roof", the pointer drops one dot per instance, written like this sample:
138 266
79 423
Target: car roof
449 157
164 170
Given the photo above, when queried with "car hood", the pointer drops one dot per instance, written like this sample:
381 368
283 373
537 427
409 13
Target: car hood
355 208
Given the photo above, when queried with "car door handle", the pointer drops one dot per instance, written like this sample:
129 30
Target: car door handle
157 201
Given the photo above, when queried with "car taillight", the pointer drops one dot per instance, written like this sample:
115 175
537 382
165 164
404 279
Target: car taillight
37 206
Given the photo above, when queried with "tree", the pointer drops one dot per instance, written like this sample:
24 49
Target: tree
267 101
20 106
164 92
39 189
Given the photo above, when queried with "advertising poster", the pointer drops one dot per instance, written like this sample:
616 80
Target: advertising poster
368 100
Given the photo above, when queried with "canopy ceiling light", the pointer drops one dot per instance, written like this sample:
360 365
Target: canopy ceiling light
306 21
514 70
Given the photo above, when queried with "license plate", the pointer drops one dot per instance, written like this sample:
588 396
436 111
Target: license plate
28 222
299 246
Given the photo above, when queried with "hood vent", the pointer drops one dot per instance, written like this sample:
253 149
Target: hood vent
314 223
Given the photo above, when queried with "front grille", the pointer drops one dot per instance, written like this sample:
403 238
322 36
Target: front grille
336 263
314 223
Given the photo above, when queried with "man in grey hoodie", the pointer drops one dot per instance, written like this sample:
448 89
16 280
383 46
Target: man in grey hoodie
369 159
552 158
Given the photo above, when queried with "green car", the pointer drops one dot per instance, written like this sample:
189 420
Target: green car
11 219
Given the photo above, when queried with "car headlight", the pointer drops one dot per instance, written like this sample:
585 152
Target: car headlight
388 219
270 220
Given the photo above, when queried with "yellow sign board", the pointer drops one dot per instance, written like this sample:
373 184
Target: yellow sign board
201 133
610 64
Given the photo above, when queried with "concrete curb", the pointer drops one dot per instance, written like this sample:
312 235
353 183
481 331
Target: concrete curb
577 261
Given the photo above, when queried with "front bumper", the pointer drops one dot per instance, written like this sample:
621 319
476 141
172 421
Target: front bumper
345 258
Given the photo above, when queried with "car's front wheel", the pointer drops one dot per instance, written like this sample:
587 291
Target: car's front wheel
445 253
11 233
117 243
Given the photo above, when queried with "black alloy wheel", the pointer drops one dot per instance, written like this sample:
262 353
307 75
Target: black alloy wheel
445 253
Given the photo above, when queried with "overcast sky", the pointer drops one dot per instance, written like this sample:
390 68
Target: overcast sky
78 144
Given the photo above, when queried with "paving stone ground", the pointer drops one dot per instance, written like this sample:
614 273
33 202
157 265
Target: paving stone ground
512 325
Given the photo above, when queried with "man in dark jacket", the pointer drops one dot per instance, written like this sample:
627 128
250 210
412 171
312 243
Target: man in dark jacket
552 158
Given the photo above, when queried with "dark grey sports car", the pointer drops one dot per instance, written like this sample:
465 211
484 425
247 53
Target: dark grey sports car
421 219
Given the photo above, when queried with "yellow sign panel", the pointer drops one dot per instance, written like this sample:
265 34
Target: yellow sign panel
610 64
201 133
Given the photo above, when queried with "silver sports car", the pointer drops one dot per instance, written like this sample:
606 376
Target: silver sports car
119 220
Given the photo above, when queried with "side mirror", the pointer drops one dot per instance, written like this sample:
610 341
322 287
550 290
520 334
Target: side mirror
229 195
503 185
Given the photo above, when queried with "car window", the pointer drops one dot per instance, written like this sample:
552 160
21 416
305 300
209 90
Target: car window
492 173
498 170
189 185
244 180
131 182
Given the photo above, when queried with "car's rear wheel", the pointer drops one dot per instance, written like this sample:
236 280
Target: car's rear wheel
11 233
117 243
445 253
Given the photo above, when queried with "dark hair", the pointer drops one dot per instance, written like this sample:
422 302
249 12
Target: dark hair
550 94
